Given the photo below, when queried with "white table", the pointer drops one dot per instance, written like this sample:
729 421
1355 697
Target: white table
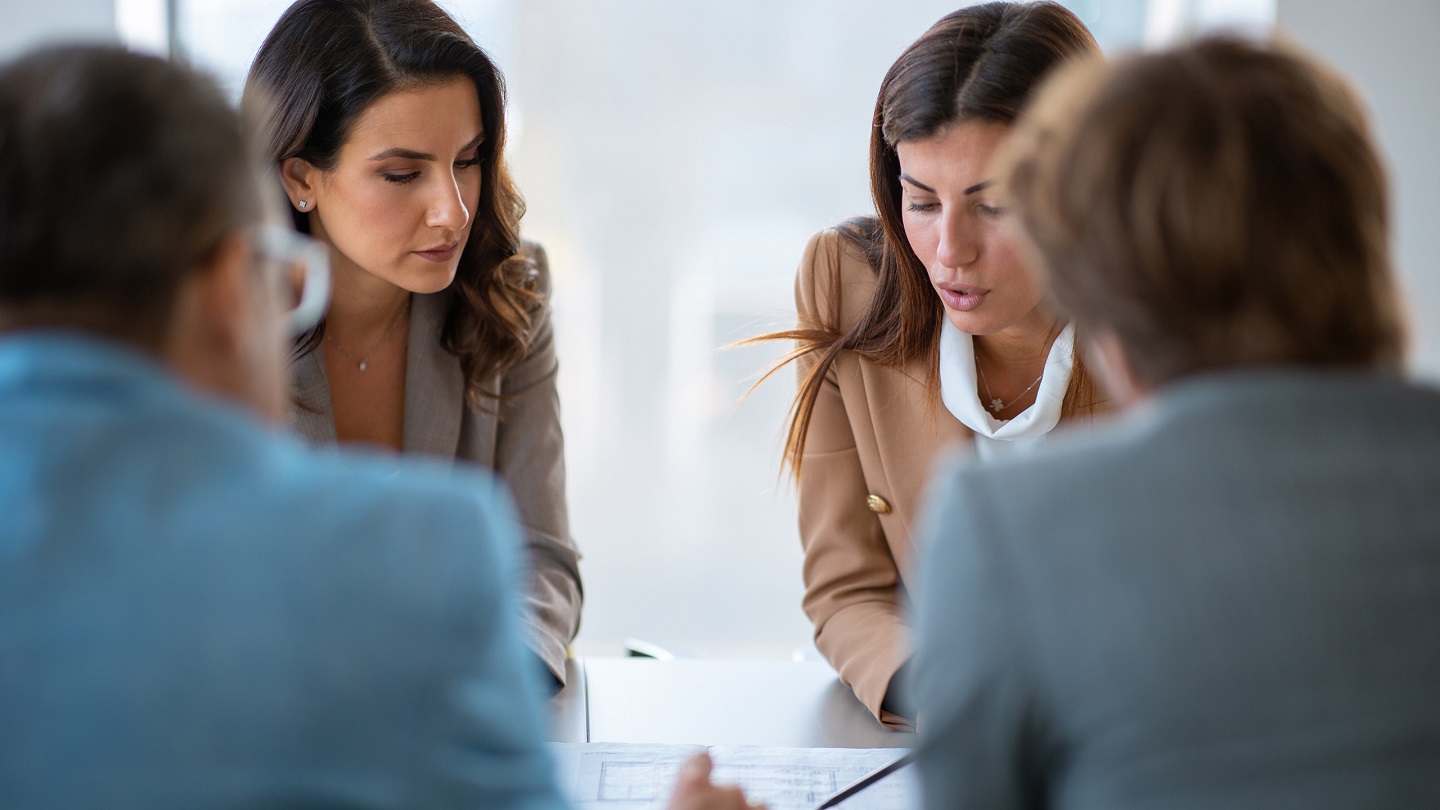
568 722
714 703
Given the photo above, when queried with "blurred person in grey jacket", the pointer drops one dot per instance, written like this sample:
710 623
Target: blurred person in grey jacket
1229 597
196 611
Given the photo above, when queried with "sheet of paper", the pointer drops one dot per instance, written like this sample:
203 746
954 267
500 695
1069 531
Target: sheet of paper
801 778
622 776
619 776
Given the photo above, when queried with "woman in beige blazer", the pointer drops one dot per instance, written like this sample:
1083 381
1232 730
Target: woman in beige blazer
921 329
387 126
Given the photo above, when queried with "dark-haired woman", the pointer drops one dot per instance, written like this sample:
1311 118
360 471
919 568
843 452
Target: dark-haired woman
387 125
920 329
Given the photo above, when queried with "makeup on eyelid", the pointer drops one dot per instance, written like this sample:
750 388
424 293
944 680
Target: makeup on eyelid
953 215
399 204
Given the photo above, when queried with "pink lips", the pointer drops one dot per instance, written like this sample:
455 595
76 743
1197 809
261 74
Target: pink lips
441 254
964 299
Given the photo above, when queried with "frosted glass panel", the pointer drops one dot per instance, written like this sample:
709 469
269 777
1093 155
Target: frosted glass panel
675 157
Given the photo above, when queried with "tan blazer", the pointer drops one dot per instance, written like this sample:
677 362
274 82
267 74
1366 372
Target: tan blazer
517 436
874 435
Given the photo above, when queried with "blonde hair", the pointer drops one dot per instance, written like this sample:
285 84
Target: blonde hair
1217 205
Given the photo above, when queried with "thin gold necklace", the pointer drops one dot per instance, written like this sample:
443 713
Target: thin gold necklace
364 362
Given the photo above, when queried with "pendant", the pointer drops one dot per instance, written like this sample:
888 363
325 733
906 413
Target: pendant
995 404
362 365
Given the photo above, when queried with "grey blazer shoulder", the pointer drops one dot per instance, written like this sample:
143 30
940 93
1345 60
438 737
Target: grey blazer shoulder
516 433
1231 598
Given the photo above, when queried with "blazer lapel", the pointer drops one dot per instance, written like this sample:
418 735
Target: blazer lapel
434 383
311 416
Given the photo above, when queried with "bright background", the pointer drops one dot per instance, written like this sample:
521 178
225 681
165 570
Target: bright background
675 157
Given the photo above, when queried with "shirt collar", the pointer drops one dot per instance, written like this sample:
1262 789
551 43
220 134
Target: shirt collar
959 393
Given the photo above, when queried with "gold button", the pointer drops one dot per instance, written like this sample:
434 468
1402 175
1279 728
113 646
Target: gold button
878 505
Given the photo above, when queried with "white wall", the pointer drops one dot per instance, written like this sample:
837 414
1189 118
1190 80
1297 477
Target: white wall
27 23
1390 50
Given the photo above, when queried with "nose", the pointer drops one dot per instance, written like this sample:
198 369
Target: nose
959 243
447 207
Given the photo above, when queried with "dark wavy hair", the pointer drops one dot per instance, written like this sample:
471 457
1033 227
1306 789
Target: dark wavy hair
977 64
325 63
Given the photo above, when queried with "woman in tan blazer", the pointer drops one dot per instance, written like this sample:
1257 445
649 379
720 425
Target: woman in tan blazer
921 329
387 126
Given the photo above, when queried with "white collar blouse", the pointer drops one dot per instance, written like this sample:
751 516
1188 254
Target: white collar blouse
1000 437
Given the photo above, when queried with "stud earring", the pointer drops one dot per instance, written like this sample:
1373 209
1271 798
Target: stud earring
303 205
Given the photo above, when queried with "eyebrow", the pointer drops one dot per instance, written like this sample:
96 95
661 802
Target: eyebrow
916 183
981 186
411 154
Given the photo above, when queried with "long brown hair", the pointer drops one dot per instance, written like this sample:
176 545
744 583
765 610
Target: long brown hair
326 62
978 64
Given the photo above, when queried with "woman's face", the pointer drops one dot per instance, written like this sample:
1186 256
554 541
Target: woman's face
957 225
400 201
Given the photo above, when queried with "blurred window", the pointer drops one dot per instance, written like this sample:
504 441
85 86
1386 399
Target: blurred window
675 158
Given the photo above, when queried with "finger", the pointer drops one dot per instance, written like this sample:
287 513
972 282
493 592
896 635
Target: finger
734 797
695 771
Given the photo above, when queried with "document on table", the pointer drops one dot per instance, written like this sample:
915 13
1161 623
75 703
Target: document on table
622 776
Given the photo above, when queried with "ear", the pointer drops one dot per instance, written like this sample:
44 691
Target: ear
1106 354
214 321
302 183
220 292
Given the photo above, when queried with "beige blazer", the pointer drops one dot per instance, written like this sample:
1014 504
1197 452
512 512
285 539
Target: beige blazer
874 435
517 436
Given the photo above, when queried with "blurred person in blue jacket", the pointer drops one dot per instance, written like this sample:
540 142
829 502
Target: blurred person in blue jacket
194 610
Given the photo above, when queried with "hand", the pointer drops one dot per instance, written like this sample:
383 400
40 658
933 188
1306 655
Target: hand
693 790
